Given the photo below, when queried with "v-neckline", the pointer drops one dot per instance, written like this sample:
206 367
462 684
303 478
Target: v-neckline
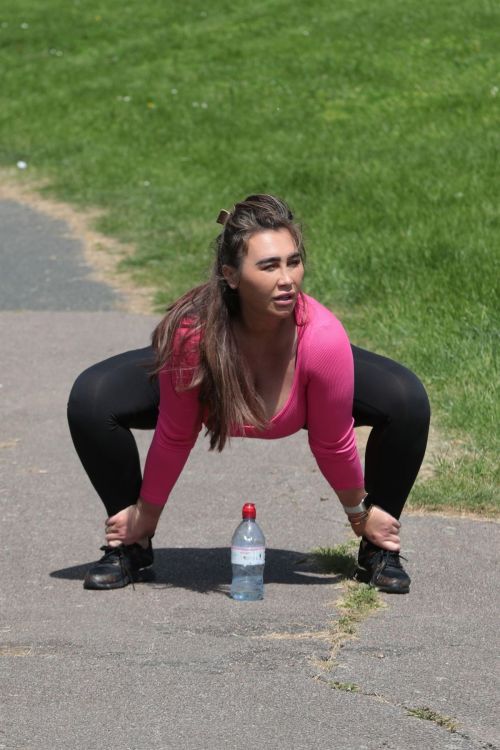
288 399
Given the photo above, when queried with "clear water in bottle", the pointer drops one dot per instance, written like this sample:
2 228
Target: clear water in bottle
248 549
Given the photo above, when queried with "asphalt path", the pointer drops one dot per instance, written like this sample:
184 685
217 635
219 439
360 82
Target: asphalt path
176 663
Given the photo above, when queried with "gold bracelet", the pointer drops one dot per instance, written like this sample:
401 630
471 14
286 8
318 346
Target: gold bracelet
360 520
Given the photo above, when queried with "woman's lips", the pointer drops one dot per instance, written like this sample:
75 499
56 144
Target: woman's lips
284 299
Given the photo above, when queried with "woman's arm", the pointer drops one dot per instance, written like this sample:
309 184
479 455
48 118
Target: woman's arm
331 431
179 422
330 391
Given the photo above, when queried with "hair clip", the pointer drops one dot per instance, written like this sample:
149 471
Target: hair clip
223 216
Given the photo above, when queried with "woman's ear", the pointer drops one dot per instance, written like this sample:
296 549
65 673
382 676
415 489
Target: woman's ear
231 276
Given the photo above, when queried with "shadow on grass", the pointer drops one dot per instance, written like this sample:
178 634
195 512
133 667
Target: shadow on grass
209 569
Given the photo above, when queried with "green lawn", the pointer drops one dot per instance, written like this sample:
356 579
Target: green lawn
378 122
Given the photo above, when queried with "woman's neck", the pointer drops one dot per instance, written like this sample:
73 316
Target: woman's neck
264 329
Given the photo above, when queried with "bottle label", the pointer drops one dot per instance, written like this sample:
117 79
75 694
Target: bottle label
248 555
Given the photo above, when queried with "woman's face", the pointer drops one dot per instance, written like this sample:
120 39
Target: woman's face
270 276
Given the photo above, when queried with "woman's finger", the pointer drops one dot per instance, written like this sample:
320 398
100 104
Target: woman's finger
392 546
393 532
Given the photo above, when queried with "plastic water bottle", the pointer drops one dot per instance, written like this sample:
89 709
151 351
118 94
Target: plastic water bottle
248 549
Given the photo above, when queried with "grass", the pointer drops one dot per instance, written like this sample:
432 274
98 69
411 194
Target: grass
359 601
379 124
428 714
338 559
356 604
346 687
467 483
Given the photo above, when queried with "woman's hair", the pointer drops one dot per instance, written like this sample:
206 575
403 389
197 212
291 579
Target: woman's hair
201 322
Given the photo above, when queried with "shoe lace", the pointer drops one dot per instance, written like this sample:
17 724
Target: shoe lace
393 558
119 552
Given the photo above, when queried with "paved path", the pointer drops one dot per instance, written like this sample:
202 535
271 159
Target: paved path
42 265
176 663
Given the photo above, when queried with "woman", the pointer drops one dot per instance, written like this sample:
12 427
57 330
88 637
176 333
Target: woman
248 354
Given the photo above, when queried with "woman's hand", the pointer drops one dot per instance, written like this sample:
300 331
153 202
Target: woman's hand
132 524
381 529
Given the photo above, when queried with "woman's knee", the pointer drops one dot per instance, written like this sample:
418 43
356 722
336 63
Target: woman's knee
409 400
87 402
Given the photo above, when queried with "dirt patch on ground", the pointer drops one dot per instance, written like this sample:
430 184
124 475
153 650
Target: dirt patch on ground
102 254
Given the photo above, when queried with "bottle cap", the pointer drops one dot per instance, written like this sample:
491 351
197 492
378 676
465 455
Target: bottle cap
248 510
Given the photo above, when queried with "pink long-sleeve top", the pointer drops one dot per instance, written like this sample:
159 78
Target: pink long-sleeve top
320 399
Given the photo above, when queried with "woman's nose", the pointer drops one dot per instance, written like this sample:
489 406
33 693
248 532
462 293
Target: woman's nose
285 278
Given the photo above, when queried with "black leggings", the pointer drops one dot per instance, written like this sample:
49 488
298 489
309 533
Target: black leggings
115 395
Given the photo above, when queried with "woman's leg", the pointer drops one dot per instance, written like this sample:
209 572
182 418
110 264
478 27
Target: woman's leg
106 401
391 399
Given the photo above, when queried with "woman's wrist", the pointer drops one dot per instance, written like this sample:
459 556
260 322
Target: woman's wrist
355 510
150 511
352 500
358 521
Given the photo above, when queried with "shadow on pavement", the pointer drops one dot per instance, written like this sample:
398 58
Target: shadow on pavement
205 570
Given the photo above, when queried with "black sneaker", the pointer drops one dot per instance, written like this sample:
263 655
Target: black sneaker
382 569
120 566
